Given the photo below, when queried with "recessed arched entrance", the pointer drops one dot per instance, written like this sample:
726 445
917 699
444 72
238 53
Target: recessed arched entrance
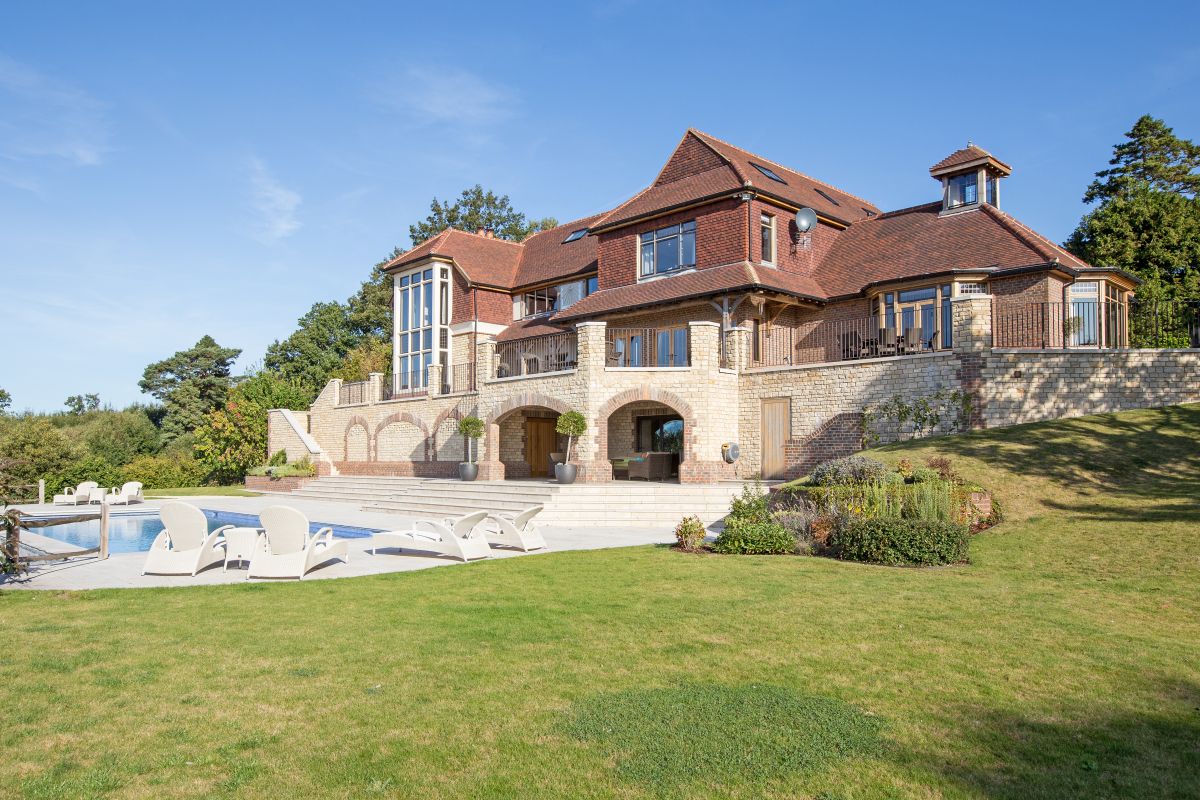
645 435
523 438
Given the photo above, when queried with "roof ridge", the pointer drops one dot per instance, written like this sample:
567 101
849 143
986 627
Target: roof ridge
898 211
700 136
804 175
1026 234
485 238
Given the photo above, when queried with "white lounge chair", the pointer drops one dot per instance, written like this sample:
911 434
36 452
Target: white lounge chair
458 538
73 497
184 546
287 550
131 492
515 531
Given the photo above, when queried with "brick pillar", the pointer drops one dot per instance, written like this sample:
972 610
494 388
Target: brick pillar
374 387
491 468
972 316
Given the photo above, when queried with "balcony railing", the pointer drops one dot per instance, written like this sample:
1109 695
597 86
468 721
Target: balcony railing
352 393
1097 324
633 348
458 378
404 384
537 354
825 341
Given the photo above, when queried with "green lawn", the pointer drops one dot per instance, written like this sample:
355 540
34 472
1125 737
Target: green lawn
1063 662
201 491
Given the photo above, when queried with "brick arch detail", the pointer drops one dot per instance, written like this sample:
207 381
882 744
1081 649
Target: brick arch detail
402 416
524 400
640 395
452 412
353 422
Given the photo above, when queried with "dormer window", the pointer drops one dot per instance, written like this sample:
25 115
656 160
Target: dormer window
668 249
964 190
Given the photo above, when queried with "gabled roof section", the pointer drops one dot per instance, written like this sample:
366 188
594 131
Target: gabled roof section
703 167
969 156
918 241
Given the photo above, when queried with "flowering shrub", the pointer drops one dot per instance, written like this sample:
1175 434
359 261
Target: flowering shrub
689 533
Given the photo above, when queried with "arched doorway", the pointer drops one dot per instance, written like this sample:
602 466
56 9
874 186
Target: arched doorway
646 435
525 440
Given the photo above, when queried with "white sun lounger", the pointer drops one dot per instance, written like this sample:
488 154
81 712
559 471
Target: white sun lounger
457 538
131 492
184 546
286 550
515 531
80 494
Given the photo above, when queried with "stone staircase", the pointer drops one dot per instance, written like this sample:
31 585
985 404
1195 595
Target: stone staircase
619 503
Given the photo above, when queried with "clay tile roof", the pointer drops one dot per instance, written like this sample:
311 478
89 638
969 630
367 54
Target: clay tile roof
484 260
919 241
701 283
536 326
729 173
548 256
968 155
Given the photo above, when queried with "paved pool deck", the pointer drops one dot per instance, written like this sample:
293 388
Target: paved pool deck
123 570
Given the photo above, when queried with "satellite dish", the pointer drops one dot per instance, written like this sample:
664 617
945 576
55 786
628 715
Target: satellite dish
805 219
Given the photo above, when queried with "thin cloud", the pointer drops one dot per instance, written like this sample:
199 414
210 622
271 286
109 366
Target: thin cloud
45 119
274 203
446 96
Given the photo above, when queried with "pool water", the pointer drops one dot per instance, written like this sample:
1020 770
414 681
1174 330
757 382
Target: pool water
134 533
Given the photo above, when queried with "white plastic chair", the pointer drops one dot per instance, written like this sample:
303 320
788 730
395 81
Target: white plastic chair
458 538
73 497
131 492
286 550
515 531
184 546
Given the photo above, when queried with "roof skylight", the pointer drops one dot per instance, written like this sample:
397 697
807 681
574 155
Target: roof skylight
576 235
827 197
769 173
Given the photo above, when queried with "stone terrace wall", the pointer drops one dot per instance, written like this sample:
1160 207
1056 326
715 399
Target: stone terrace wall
827 401
1033 385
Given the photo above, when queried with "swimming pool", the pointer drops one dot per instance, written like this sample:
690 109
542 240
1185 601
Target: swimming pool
134 533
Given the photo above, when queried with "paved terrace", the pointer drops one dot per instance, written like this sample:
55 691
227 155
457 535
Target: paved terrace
123 570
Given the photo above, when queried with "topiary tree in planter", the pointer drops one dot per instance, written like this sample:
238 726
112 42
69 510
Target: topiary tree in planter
572 424
470 428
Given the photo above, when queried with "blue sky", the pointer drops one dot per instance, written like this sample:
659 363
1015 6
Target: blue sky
169 170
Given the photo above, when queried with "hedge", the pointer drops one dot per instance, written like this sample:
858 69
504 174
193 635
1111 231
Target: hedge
901 542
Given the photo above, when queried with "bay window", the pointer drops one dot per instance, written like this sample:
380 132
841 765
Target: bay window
421 335
668 249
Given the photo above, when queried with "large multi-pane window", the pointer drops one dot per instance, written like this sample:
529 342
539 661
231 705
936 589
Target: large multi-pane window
422 301
668 249
964 190
552 298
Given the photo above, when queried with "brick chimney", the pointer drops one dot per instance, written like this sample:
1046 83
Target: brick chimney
486 233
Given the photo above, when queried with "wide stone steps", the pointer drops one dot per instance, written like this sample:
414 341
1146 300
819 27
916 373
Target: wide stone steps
619 503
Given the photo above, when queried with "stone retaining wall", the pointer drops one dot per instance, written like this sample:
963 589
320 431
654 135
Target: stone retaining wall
265 483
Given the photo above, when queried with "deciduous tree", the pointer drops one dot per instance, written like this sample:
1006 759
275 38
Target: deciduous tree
234 437
310 355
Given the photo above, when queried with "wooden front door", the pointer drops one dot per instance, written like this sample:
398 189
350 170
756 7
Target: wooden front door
776 430
539 444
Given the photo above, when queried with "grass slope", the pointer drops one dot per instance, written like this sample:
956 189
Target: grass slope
1063 662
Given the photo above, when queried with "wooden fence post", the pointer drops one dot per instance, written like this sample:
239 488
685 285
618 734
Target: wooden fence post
42 492
103 531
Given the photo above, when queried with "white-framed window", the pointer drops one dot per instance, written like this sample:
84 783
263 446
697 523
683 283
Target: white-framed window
422 319
972 287
667 249
549 299
766 225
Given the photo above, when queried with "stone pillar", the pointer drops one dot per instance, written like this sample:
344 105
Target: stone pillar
592 347
433 379
739 348
972 316
334 390
713 399
374 387
485 360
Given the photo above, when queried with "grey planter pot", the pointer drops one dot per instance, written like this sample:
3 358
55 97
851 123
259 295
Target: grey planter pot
468 471
565 473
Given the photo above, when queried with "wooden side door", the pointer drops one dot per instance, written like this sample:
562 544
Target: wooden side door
539 444
776 430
